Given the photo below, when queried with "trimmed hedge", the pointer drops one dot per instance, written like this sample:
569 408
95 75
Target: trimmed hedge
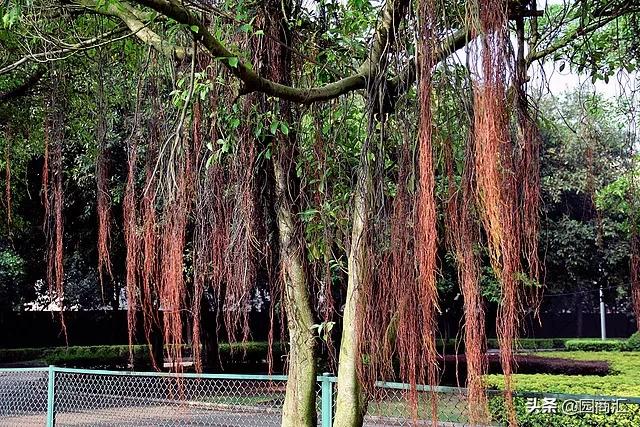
12 355
451 346
97 356
534 343
628 415
596 345
624 381
530 364
246 354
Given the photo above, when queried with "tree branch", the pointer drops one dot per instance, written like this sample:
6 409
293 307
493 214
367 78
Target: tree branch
135 21
23 87
392 13
574 34
54 55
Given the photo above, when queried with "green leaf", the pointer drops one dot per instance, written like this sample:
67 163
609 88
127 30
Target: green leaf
274 127
284 128
233 61
195 28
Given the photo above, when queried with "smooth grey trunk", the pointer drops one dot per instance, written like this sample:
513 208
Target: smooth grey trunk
350 401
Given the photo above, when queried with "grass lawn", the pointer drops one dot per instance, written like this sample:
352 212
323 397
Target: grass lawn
624 380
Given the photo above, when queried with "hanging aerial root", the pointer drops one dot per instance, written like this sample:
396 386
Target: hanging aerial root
426 215
462 236
53 196
635 272
634 220
7 179
497 186
102 181
132 244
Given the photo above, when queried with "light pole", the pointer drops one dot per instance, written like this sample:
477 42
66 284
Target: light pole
603 320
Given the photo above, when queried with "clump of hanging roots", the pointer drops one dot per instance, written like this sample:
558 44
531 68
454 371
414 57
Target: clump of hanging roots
633 201
400 296
7 177
52 193
132 239
635 270
496 178
211 231
462 236
102 181
426 240
242 243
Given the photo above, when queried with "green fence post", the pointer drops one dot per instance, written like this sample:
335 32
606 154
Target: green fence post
327 400
51 417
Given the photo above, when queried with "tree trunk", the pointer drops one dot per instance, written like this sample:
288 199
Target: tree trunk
209 337
351 404
157 344
299 404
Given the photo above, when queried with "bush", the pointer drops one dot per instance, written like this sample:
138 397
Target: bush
450 346
97 356
633 342
624 381
534 343
529 364
628 415
595 345
12 355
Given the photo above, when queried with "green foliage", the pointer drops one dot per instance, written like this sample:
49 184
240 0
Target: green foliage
624 381
97 356
12 274
12 355
571 127
595 345
628 415
117 356
534 343
633 342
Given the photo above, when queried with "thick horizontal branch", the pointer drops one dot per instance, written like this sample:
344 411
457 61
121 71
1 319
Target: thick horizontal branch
393 12
138 23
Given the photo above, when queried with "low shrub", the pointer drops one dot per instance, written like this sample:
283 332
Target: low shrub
595 345
627 415
623 381
533 343
633 342
13 355
114 356
529 364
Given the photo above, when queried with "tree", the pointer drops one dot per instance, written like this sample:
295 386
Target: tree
217 53
573 184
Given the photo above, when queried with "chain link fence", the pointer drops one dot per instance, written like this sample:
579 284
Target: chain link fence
75 397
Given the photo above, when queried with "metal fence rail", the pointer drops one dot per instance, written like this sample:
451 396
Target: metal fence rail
77 397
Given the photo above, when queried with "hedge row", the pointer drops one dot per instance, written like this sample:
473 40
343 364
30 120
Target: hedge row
531 364
118 355
627 415
630 344
256 352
